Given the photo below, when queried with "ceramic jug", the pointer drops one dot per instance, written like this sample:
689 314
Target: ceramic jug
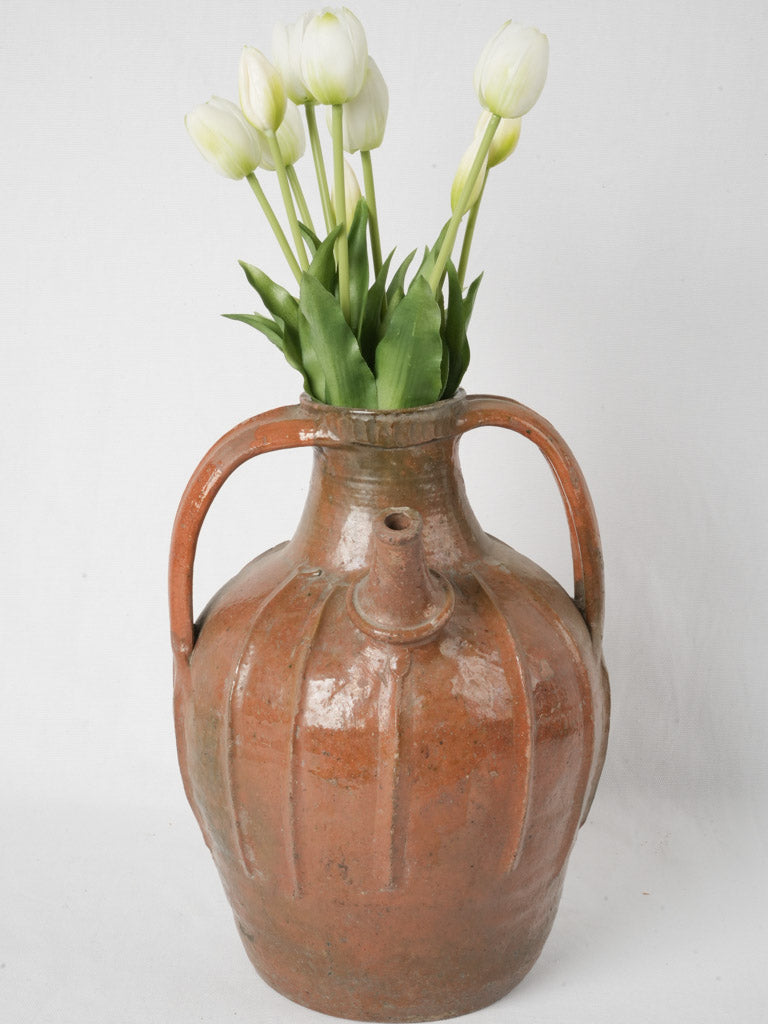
391 726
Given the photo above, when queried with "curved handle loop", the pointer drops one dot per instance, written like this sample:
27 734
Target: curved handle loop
289 427
588 577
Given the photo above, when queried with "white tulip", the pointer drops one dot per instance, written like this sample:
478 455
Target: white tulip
224 137
262 94
290 138
334 52
352 194
505 138
286 54
364 118
462 174
512 70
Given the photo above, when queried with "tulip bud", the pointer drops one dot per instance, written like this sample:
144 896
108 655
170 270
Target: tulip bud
290 139
333 56
262 95
286 54
224 137
505 137
352 194
512 70
364 118
462 173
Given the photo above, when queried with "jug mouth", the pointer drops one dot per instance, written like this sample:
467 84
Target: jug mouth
388 428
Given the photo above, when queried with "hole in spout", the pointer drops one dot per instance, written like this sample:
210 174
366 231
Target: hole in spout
397 521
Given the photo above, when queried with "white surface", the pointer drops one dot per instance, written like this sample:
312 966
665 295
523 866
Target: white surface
624 249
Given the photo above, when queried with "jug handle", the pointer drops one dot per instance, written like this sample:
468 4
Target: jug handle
288 427
588 573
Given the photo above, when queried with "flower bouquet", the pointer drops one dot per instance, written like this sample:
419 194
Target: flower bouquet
360 334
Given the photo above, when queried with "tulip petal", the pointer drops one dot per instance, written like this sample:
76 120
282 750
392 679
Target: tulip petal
512 70
333 56
262 96
224 137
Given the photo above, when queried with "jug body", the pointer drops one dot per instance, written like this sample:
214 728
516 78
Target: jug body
391 727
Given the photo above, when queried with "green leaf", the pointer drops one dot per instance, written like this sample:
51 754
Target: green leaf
329 343
371 325
469 301
429 259
445 369
278 301
460 368
269 328
441 237
455 331
457 374
275 331
445 363
409 356
427 262
358 265
323 265
396 289
284 307
312 240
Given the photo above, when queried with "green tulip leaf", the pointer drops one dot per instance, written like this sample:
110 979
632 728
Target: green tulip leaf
271 329
445 369
469 300
409 356
396 289
429 259
441 237
446 360
455 331
278 301
358 265
312 240
323 265
371 325
327 342
275 331
425 269
462 363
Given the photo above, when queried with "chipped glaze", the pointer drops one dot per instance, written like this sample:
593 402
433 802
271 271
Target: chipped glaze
390 727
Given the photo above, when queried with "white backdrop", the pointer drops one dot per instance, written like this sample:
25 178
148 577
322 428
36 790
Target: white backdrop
624 248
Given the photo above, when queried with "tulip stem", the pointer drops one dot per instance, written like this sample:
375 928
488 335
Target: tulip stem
342 246
269 213
453 225
317 156
373 219
469 232
285 188
306 216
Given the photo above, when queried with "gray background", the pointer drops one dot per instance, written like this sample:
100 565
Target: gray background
624 298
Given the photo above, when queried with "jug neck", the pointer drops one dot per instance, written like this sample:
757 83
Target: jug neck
392 459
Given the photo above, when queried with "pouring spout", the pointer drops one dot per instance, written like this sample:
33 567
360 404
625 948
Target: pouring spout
400 599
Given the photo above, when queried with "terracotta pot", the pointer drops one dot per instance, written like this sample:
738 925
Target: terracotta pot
390 727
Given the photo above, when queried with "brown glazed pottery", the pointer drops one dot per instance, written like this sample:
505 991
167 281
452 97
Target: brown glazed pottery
390 727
